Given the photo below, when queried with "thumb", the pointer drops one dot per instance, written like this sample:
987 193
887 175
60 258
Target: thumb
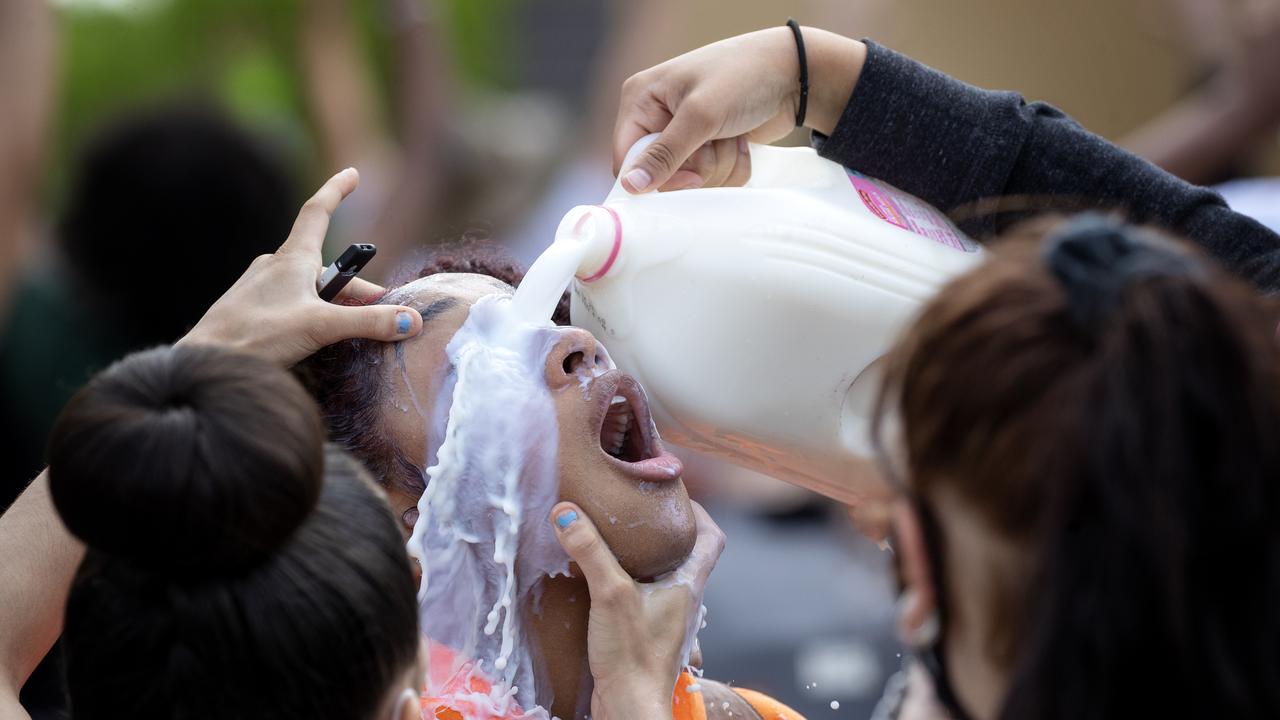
581 540
388 323
688 130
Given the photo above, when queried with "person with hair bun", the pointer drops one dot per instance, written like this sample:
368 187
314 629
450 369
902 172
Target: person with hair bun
211 586
198 478
235 567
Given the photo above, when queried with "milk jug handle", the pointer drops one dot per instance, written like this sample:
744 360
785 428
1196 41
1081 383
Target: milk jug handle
618 191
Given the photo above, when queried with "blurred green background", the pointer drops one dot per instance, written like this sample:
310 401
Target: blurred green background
243 54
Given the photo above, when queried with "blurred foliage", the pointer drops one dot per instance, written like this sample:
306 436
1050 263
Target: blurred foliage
242 55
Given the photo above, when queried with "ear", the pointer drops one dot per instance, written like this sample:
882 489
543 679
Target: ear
919 602
409 707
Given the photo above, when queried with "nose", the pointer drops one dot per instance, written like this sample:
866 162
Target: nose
575 354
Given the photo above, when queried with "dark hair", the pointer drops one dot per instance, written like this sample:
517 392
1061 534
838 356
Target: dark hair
348 377
235 568
1109 401
171 203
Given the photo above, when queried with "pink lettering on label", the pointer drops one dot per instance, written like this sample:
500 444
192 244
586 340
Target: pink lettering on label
909 213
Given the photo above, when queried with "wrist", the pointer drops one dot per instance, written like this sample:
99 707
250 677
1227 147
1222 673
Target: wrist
646 708
633 699
835 64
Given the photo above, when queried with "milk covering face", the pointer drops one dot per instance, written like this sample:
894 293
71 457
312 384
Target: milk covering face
510 414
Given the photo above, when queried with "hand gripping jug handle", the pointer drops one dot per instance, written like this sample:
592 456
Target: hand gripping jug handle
598 227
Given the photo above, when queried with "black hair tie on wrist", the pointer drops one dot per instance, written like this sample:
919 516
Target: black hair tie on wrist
804 72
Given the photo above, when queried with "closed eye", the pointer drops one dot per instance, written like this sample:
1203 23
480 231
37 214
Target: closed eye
436 308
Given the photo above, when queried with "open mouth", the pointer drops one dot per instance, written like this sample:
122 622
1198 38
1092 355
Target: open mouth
627 433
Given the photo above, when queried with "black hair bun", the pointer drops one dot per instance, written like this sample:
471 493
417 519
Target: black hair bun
187 461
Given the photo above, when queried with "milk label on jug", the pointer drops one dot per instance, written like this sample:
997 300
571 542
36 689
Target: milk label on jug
907 212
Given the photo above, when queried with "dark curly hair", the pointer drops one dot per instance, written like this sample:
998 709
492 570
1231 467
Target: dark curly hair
346 377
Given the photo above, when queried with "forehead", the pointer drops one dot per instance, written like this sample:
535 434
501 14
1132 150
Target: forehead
465 288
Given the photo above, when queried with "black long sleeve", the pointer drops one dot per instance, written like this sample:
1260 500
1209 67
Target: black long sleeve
952 144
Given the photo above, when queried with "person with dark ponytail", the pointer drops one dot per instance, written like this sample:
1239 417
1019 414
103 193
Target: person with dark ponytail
1085 440
235 567
1082 434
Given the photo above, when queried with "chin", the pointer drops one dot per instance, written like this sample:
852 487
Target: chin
668 558
656 544
618 471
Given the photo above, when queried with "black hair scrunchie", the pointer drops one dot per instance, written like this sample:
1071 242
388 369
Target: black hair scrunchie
1096 258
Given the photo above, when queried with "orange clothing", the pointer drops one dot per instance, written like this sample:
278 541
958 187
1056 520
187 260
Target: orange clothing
687 705
451 701
766 707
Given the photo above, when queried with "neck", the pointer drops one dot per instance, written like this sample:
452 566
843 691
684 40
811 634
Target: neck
979 566
560 630
978 683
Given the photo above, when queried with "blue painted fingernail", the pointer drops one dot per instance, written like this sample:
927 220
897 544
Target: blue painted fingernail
566 519
403 323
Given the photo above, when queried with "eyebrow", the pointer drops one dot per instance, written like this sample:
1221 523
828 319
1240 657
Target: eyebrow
436 307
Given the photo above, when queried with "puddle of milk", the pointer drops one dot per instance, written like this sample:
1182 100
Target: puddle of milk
490 484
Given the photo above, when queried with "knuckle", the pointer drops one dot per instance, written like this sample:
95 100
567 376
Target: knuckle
583 544
380 323
613 594
661 155
698 112
312 334
315 206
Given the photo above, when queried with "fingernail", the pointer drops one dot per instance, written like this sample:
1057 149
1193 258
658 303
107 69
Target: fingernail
638 179
742 144
403 322
566 518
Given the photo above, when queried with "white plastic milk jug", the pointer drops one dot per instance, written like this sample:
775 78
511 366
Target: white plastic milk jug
754 316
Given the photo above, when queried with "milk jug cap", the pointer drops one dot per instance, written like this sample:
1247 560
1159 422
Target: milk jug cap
598 228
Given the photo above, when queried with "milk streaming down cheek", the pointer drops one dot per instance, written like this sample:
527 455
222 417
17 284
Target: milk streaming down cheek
482 536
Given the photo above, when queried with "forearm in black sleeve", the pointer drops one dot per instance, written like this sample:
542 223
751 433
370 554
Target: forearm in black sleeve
954 145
